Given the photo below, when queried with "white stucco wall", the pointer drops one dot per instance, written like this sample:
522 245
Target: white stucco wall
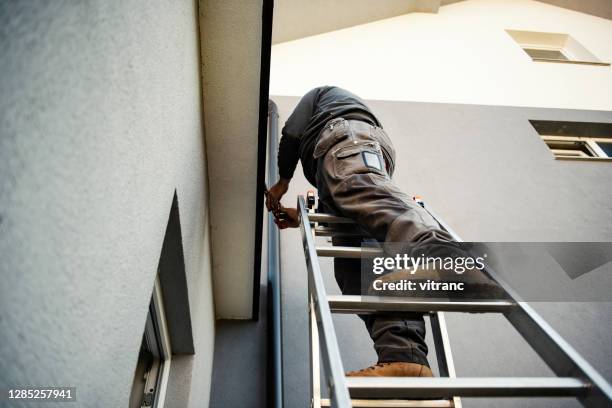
462 54
100 121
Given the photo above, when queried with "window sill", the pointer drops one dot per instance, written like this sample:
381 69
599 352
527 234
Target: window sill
599 159
598 63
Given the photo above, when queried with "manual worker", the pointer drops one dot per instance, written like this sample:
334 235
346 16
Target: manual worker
349 158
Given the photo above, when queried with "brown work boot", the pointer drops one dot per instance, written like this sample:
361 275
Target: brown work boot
397 369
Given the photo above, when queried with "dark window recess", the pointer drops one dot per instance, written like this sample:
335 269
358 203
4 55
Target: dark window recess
546 54
606 147
577 129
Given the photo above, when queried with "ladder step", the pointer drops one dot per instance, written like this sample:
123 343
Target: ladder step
328 218
336 232
348 252
374 304
445 387
394 403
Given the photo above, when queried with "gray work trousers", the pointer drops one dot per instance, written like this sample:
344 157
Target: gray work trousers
355 161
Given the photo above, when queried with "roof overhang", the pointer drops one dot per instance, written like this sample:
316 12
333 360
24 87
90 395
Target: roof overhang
322 16
294 19
235 48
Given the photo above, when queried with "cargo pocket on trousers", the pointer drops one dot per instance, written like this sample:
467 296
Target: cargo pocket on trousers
364 157
339 131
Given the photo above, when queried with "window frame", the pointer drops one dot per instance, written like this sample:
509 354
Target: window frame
598 154
157 303
156 339
567 45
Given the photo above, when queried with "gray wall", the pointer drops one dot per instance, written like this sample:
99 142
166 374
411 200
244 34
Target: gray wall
485 171
100 121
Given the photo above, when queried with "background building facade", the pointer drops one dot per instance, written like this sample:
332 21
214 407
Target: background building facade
456 93
130 156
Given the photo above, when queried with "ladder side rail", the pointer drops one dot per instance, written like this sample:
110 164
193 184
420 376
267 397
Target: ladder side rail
330 351
315 367
442 345
559 355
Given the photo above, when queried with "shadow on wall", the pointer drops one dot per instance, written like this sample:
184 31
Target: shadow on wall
174 283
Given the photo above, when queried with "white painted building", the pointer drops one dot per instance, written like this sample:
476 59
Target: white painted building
128 151
461 54
132 155
478 97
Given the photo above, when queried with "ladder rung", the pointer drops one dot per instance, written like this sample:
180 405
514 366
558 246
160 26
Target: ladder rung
348 252
335 232
374 304
444 387
331 219
394 403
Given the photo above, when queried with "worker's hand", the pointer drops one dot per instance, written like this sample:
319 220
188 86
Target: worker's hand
275 193
291 219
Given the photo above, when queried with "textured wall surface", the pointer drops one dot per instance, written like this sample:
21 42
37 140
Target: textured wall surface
100 121
231 50
485 171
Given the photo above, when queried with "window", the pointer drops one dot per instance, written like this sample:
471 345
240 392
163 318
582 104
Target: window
554 47
545 54
578 147
606 147
576 140
153 365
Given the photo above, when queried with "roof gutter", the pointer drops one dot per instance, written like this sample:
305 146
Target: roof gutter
264 85
274 332
268 116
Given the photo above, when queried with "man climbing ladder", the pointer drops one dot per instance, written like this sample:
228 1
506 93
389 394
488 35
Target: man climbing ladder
348 157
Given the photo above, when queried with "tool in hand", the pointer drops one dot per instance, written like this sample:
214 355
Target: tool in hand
277 210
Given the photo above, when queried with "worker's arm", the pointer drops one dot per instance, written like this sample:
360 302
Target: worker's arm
289 147
275 193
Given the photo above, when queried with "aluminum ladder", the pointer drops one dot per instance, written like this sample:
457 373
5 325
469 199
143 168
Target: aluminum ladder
575 377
